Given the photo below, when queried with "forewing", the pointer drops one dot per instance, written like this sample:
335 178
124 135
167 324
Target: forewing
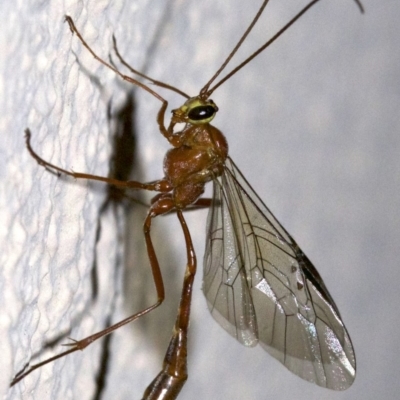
282 298
225 283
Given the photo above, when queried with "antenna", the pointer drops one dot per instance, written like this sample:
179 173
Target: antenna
206 92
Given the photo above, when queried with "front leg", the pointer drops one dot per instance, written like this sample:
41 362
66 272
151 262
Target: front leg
168 133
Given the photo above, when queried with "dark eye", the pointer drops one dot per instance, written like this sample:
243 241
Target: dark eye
201 112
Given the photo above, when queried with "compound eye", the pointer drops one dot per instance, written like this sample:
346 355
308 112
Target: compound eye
201 113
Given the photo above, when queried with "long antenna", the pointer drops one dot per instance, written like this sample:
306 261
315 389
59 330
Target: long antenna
241 40
207 92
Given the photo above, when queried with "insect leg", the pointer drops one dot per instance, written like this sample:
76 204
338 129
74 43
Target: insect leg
169 382
159 186
200 204
168 133
203 202
162 206
126 78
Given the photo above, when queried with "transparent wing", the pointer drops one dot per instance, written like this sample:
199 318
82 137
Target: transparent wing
261 288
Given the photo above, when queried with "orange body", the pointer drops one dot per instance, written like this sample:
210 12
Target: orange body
197 160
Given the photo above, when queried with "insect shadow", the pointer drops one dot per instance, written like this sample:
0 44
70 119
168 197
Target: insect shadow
123 162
